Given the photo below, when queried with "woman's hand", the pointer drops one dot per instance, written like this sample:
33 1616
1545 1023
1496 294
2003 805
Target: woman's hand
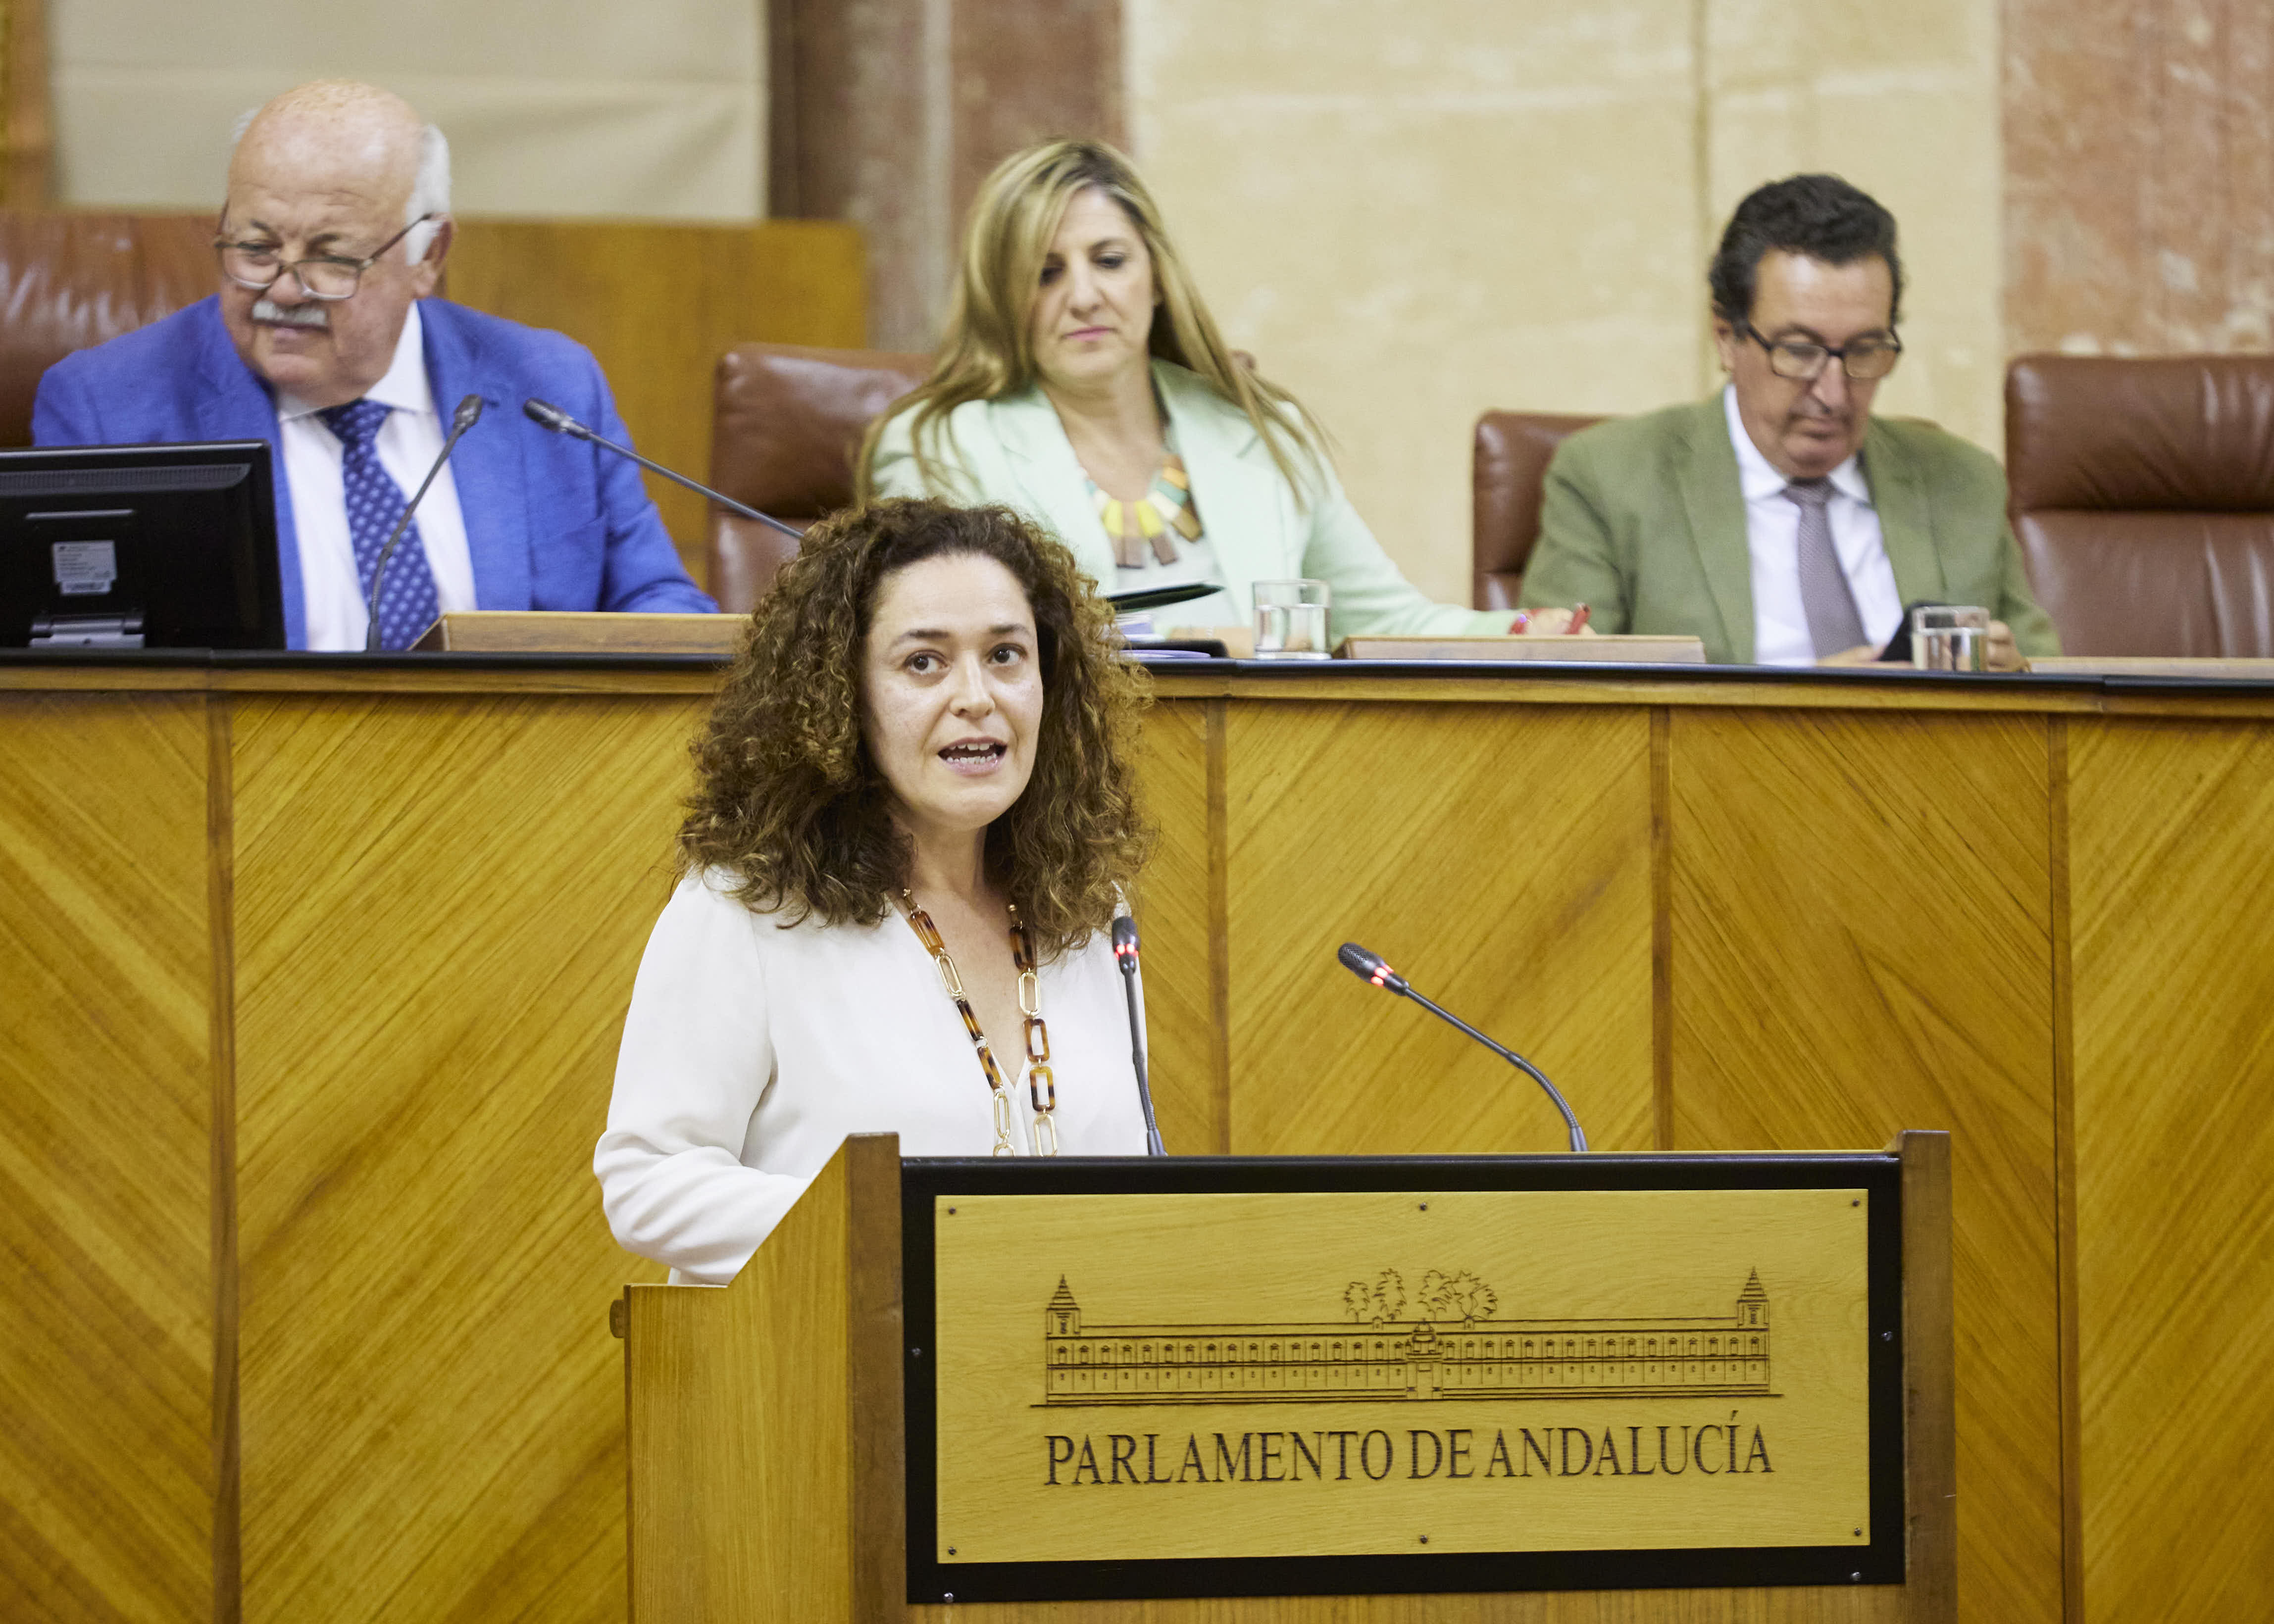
1547 623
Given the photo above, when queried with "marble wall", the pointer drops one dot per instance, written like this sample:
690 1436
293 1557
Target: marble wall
888 113
553 107
1904 100
1415 210
2139 176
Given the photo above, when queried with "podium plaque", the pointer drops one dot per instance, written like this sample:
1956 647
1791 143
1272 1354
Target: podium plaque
1223 1377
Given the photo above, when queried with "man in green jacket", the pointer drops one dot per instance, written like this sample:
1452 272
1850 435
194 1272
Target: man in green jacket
1780 521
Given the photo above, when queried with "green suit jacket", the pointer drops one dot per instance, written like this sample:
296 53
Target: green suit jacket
1014 451
1644 522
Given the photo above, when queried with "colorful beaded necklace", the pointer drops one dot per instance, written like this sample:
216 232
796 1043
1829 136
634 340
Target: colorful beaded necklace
1147 523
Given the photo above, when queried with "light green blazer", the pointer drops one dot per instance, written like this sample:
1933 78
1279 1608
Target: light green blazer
1014 451
1644 522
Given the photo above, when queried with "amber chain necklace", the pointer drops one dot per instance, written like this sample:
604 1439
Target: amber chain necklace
1042 1084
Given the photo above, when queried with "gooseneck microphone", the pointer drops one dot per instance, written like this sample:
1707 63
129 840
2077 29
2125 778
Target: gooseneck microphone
469 413
1368 966
547 415
1125 954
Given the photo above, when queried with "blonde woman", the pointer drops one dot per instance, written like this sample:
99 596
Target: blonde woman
1083 383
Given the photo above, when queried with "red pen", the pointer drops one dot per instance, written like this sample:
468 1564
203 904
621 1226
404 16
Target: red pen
1578 620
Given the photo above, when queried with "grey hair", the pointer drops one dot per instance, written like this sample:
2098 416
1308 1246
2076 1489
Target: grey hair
430 191
430 187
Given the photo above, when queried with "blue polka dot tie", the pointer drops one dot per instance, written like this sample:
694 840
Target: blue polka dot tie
408 604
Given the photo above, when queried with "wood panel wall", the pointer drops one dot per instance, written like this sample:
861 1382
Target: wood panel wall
2171 890
1760 928
433 1407
1862 936
1500 855
657 304
27 110
1856 915
312 983
109 1458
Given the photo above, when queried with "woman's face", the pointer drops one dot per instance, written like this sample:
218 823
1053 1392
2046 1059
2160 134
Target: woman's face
952 692
1093 310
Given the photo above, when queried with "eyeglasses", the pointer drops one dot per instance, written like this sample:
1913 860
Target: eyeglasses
322 276
1863 359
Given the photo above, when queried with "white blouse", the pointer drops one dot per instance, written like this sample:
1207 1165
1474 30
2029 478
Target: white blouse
750 1051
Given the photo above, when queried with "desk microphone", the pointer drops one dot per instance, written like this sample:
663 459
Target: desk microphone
546 415
1369 967
1125 954
469 413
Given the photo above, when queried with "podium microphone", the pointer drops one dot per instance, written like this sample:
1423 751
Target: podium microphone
1125 954
1369 967
547 415
469 413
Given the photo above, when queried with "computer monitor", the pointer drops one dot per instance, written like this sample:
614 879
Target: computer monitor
140 546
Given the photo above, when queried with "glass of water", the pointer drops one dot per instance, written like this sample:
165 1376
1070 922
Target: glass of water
1949 637
1290 620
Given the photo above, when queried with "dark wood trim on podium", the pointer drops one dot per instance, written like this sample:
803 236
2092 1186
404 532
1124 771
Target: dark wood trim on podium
770 1423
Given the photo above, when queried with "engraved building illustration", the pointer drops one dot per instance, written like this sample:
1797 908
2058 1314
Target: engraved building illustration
1468 1358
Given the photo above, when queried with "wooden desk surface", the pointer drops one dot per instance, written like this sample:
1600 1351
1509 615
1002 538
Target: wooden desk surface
315 967
2154 692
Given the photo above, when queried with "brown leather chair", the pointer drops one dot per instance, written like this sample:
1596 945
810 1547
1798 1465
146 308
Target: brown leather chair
786 424
2142 494
69 281
1509 482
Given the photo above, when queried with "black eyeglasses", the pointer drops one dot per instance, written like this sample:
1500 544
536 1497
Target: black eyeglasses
322 276
1863 359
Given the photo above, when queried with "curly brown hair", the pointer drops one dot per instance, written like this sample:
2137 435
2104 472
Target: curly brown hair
789 801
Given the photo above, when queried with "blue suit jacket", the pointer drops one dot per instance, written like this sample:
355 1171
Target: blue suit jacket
551 522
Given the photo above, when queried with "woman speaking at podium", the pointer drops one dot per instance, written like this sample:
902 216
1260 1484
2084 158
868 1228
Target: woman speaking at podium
912 822
1083 383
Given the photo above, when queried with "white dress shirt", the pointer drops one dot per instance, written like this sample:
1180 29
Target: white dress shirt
750 1052
1772 538
331 586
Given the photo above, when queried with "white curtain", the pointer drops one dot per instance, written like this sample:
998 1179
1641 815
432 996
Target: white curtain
553 107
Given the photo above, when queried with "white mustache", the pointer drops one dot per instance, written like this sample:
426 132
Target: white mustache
290 315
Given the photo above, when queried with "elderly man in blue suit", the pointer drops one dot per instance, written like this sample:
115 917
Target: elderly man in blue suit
324 340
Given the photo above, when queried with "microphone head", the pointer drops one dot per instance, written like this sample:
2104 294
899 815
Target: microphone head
1125 942
547 415
469 413
1368 966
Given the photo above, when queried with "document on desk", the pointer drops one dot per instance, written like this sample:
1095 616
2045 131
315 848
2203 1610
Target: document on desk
1622 649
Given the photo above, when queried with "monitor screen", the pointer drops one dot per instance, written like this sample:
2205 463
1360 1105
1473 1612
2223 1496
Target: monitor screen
140 546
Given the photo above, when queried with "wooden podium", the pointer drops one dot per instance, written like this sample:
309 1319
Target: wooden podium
1694 1387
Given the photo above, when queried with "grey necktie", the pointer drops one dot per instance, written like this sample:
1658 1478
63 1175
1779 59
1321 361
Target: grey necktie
1832 623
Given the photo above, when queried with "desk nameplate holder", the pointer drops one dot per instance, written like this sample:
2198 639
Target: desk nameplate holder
1219 1377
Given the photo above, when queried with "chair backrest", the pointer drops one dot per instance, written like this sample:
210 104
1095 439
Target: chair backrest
1507 481
786 426
2143 495
69 281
